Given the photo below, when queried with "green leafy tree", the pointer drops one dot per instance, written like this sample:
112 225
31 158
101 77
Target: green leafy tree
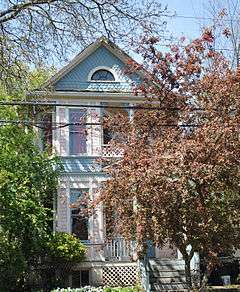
28 182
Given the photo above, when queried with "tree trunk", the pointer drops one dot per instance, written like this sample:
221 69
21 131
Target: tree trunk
204 280
188 272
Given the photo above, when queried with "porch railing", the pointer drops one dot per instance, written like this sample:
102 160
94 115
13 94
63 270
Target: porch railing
118 249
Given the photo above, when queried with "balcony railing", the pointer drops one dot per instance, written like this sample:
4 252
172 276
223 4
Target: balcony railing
108 151
118 249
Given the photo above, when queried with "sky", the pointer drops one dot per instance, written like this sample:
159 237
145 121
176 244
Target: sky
190 16
188 19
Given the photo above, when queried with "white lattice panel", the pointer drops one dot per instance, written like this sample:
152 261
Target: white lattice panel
120 276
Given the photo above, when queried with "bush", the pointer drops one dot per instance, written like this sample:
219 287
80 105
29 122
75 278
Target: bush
66 246
12 263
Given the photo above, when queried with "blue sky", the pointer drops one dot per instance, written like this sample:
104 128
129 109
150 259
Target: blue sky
189 27
189 17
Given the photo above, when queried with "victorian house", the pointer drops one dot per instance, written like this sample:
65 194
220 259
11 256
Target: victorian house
79 94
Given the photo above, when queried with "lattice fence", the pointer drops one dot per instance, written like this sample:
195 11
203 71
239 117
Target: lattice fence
120 276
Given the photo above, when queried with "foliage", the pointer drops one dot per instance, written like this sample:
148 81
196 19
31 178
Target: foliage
178 179
12 262
27 183
65 246
225 22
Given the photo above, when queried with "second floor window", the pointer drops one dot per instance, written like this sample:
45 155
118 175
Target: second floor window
77 132
110 112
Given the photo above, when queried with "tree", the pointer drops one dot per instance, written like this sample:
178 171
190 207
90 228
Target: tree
178 178
225 14
33 31
28 181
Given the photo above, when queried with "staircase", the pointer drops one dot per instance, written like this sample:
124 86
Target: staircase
167 275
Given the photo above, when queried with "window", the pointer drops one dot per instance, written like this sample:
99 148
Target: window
102 75
45 120
108 112
47 131
77 132
79 220
79 278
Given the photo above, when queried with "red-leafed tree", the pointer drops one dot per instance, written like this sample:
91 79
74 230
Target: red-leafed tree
178 178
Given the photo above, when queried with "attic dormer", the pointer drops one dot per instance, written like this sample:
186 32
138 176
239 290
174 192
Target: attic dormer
100 67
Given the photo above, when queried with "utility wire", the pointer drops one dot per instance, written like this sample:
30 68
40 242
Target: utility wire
201 17
41 103
55 126
215 49
104 106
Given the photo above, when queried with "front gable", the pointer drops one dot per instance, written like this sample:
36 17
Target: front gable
77 77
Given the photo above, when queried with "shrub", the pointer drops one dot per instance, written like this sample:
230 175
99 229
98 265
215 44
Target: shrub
12 263
66 246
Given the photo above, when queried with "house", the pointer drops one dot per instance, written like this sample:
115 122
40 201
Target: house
79 94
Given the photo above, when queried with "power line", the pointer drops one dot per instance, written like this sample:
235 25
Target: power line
55 125
105 106
200 17
41 103
215 49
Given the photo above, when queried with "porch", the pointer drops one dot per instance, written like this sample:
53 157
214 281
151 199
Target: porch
114 250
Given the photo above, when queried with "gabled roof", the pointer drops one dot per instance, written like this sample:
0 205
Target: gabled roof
102 41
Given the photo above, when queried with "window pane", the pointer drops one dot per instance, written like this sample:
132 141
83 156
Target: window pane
84 278
77 131
76 283
79 225
79 221
103 75
107 133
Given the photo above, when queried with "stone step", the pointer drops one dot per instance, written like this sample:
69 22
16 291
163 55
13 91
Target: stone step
169 287
166 262
169 273
166 280
166 268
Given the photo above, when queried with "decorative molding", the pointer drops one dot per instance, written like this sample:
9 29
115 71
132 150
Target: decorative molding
88 95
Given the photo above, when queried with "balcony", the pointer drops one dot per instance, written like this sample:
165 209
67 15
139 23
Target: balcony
114 250
118 249
109 151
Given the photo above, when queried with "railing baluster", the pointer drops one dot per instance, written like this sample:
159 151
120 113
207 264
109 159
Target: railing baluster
118 249
112 252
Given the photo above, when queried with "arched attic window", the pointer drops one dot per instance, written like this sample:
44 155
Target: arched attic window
102 75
